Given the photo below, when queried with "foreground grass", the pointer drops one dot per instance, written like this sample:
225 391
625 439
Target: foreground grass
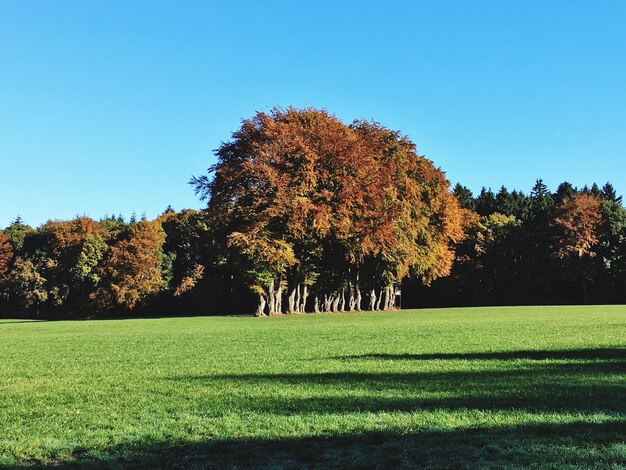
492 387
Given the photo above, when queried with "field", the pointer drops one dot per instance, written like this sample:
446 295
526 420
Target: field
476 388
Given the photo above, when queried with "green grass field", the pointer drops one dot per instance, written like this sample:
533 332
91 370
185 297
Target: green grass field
476 388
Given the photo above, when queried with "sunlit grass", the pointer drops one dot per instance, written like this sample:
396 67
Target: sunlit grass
454 387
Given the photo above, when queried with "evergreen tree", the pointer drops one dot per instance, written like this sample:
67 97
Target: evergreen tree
17 233
608 193
509 203
540 202
564 191
465 196
486 202
595 191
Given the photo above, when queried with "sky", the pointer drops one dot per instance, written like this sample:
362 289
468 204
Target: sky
111 107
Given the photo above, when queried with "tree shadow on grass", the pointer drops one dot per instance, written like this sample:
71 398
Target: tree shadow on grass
578 445
567 354
591 384
569 387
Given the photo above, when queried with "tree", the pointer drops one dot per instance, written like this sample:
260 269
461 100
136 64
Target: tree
132 269
114 229
423 219
185 243
611 248
25 286
485 257
540 203
464 196
486 202
564 191
608 193
17 233
6 254
595 190
510 203
275 194
578 221
302 200
6 257
268 260
71 251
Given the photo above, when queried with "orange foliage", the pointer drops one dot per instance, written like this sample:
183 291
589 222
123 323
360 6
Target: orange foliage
189 282
6 253
416 219
132 269
292 179
578 219
66 234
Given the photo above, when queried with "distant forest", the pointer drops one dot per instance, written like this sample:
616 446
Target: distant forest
308 214
561 247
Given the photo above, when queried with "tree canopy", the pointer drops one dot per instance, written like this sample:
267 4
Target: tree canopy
310 204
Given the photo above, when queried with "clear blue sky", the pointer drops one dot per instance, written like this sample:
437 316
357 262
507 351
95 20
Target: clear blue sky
111 106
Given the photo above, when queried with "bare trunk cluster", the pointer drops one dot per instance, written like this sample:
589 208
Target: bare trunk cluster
348 299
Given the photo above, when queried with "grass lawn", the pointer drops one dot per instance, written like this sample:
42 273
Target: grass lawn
476 388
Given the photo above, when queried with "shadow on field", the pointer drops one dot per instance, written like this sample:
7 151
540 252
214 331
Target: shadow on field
579 354
579 444
563 387
590 389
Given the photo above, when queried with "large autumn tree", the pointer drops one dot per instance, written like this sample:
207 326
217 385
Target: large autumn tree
320 212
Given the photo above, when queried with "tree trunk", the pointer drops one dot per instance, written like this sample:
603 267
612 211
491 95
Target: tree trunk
260 310
271 305
352 300
336 303
316 305
305 294
298 296
279 299
373 300
327 302
380 298
358 298
342 301
292 300
391 299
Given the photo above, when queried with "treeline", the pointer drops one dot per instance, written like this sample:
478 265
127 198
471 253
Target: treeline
84 267
305 214
308 214
561 247
567 246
